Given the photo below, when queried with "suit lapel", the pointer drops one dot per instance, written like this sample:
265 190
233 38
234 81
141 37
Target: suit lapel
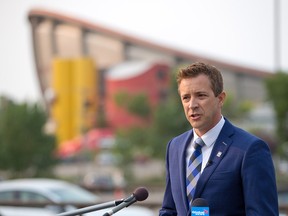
219 151
182 165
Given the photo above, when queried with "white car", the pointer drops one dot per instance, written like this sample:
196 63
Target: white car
24 211
55 192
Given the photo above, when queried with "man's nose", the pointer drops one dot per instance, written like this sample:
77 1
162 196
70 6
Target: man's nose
193 103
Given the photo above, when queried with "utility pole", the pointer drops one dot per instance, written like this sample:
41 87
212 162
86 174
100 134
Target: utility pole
277 35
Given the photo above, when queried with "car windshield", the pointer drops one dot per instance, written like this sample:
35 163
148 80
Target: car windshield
74 194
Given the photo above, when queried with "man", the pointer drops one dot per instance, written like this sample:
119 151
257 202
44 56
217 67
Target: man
236 170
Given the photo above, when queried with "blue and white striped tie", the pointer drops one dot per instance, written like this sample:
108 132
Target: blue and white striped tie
194 169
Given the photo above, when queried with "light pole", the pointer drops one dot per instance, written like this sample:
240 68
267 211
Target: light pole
277 36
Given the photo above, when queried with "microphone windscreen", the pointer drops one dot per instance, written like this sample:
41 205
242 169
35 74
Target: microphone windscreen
141 194
199 202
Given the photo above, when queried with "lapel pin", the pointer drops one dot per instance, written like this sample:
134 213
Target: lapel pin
219 154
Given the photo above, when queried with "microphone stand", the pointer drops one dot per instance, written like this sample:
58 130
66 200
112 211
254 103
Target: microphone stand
139 194
91 208
127 202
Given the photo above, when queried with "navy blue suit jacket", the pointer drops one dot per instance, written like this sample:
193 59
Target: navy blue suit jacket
239 178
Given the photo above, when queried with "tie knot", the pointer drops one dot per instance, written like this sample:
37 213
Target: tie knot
198 143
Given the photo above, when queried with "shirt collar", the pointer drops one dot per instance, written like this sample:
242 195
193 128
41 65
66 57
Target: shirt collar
210 136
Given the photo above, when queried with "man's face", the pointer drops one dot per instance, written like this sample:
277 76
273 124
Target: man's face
202 108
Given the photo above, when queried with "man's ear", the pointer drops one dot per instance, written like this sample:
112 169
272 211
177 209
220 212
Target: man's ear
222 97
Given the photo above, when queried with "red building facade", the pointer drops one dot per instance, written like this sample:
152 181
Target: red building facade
134 78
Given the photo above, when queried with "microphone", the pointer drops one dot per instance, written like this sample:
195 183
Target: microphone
139 194
199 202
209 163
200 207
91 208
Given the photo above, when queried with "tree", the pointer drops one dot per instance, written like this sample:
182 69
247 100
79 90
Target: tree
277 90
167 120
25 150
136 104
132 141
235 110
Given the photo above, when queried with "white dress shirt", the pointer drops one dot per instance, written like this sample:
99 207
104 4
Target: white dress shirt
209 139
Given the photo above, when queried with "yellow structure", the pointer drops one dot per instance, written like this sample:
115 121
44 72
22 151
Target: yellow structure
75 105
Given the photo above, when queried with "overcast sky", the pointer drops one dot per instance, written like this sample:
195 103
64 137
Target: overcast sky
240 32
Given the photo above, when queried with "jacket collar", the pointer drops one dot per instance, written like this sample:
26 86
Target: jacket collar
219 151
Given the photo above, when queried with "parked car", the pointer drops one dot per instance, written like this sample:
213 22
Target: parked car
55 192
106 179
24 211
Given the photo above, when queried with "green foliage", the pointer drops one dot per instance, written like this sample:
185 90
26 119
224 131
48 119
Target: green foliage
233 110
168 120
277 90
24 148
229 109
137 104
245 107
121 98
132 143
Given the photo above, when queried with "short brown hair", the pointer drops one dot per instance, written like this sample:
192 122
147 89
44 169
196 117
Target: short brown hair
198 68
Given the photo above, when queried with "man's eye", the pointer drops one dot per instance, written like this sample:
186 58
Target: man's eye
202 95
185 98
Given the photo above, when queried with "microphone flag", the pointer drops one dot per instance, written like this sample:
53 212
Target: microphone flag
200 207
200 211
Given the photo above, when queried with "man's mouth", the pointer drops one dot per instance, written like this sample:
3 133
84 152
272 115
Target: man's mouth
195 116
